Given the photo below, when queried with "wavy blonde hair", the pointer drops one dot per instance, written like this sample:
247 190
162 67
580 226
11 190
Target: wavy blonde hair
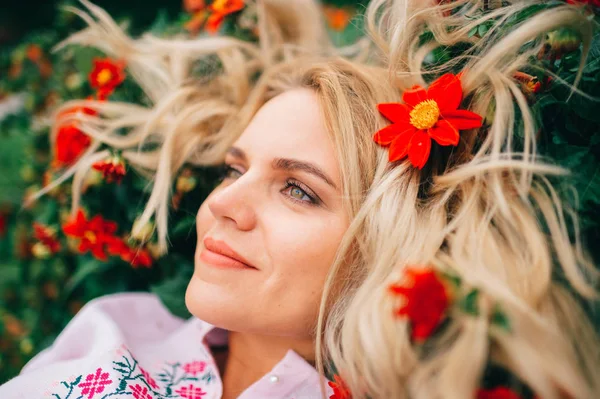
486 212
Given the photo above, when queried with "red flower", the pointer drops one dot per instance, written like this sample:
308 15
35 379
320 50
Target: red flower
595 3
94 383
220 9
529 84
47 236
149 378
191 392
194 367
426 301
94 234
135 256
113 169
337 18
193 5
140 392
106 76
71 142
340 390
425 115
2 224
497 393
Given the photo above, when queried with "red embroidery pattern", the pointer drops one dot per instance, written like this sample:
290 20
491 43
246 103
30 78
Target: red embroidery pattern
191 392
95 383
140 392
149 379
194 367
130 379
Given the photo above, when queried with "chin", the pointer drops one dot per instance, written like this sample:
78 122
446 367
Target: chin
214 304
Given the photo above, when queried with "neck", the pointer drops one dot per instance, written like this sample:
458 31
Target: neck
252 356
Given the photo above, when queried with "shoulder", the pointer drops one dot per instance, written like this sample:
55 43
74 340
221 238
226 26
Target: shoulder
110 336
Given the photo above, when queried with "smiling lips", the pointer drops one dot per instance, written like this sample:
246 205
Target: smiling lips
218 253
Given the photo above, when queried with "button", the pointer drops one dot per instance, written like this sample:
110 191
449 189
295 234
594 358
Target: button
273 379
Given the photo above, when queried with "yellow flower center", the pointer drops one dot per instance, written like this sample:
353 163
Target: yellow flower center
90 236
104 76
425 114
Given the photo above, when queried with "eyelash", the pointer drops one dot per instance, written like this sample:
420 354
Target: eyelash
225 171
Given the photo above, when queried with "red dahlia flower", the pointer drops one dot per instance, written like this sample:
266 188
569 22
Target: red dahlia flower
497 393
595 3
340 391
94 234
113 169
71 142
220 9
135 256
425 115
106 75
426 301
47 236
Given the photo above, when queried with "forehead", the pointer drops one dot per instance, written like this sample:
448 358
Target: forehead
290 126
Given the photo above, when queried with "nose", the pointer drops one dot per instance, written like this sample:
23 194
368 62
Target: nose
234 203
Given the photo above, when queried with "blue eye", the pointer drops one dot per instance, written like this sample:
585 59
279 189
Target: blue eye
299 193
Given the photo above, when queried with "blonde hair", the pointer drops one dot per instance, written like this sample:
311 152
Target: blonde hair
486 212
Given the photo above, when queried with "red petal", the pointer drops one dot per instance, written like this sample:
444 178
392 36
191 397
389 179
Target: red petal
414 96
421 332
419 149
444 133
462 119
386 135
98 252
399 147
395 112
447 92
213 23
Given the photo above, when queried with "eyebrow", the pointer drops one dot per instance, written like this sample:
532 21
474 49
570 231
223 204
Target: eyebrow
288 165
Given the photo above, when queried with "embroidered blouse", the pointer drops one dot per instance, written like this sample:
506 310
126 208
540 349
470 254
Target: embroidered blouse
130 346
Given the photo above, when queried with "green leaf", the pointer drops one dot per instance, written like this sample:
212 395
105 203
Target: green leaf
183 227
482 29
473 31
469 302
85 271
500 319
171 292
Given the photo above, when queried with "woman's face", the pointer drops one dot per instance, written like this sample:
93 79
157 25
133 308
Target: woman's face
280 209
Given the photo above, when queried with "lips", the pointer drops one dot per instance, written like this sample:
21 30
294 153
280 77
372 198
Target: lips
220 254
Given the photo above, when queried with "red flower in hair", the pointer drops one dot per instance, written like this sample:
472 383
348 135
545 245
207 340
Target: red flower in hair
595 3
106 76
426 301
94 234
340 391
425 115
497 393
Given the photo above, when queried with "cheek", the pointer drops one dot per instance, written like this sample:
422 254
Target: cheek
204 220
302 257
